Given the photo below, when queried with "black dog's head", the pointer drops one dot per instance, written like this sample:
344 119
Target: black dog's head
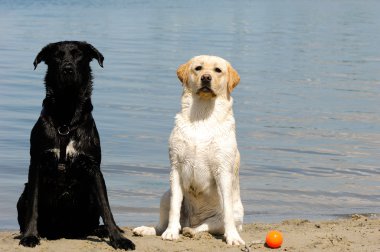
68 63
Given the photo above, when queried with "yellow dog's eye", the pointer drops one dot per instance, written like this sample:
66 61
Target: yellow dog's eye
218 70
198 68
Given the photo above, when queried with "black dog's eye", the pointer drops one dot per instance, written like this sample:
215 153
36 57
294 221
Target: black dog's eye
76 53
59 55
218 70
198 68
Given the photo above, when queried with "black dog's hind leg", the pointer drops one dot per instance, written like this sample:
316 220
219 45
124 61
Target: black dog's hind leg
28 210
117 240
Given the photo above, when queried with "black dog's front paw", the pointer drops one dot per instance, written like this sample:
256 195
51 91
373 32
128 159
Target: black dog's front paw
101 232
122 243
29 241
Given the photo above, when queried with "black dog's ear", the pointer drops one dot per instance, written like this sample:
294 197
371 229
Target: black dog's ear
95 54
42 55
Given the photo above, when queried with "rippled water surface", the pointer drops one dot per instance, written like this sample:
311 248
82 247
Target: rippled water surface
307 107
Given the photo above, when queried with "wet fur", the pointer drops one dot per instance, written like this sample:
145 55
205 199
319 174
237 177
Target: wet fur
204 190
66 203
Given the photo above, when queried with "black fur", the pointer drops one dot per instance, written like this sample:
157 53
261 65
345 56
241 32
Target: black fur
66 194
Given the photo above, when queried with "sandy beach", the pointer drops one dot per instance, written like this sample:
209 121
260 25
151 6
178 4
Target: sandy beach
356 233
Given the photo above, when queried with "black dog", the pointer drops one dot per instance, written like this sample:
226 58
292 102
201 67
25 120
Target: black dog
66 194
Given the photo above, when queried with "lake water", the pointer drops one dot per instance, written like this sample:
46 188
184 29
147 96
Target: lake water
307 107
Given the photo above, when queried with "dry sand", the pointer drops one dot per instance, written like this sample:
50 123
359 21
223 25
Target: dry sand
357 233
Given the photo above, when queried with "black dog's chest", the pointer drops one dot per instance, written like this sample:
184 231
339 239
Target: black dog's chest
55 177
60 173
64 186
61 155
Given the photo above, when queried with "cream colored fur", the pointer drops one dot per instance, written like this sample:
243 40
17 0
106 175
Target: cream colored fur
204 190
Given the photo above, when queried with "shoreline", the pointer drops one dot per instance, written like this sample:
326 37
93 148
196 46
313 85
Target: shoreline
356 233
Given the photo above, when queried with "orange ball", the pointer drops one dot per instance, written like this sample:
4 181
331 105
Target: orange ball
274 239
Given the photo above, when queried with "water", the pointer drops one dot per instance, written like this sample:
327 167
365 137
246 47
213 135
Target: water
307 107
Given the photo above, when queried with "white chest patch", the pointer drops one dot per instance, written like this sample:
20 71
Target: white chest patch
55 151
70 150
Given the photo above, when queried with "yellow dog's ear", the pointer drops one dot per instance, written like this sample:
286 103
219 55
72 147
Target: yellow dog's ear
233 78
183 72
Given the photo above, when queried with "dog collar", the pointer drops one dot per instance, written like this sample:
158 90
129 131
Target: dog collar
63 130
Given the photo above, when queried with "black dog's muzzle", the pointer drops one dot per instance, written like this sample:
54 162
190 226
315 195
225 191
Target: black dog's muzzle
68 69
68 74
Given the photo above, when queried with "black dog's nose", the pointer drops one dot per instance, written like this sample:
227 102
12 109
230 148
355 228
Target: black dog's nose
68 69
206 78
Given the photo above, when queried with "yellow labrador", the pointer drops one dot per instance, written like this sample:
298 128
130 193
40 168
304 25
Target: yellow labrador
204 190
